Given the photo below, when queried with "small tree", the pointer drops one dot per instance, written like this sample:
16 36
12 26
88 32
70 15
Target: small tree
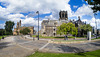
25 31
8 27
86 28
2 32
67 28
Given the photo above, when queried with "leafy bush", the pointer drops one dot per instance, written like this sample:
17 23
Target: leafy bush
25 31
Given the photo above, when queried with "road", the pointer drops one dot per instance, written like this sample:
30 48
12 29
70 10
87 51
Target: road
16 46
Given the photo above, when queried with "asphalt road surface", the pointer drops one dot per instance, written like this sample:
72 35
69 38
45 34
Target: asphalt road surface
17 46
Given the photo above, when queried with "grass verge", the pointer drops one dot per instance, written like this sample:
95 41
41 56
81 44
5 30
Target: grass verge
87 54
2 36
95 38
68 40
57 37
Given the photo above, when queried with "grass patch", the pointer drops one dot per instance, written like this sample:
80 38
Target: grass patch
2 36
68 40
48 37
87 54
57 37
95 38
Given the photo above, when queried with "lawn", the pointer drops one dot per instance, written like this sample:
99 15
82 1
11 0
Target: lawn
2 36
57 37
68 40
95 38
87 54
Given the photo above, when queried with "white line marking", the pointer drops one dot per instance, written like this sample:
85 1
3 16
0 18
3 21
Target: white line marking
25 47
43 46
25 42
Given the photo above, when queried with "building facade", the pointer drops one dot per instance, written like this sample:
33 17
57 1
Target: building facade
98 32
49 27
16 30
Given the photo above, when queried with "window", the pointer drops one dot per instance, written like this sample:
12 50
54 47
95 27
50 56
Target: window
54 34
44 33
54 29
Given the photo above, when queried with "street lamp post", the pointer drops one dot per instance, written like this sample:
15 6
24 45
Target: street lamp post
38 23
95 24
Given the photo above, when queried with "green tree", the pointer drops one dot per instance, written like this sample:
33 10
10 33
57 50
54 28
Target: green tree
2 31
67 28
86 28
25 31
95 3
8 27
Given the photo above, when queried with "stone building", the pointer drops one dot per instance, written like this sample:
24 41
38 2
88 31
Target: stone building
49 27
63 15
98 31
16 30
78 23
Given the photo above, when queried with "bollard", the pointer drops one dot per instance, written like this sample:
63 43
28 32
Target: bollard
89 35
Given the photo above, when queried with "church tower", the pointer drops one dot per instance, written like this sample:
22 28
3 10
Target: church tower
63 15
20 23
17 25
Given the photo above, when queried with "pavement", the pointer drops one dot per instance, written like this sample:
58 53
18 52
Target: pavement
18 46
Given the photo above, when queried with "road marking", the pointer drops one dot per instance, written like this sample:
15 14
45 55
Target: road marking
43 46
25 42
25 47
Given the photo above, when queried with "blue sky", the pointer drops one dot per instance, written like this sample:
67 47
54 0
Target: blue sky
25 10
77 3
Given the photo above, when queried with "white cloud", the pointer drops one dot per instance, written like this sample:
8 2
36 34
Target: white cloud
15 17
43 6
84 10
92 22
75 6
2 25
24 6
30 21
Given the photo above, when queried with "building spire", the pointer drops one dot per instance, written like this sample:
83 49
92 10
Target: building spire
20 23
79 17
